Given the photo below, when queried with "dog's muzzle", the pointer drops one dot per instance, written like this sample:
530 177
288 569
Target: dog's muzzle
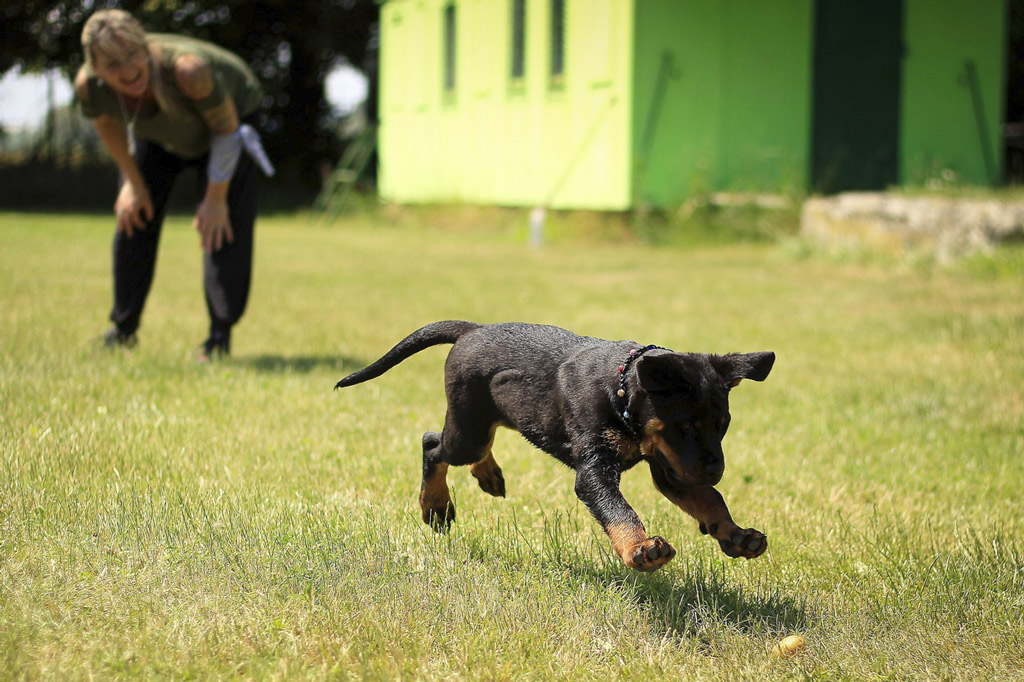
669 476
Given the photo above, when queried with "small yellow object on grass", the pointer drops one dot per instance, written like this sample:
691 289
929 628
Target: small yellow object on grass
789 646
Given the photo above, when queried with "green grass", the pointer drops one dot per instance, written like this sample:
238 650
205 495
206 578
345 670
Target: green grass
160 519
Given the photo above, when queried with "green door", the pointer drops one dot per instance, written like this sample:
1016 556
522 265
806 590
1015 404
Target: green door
858 47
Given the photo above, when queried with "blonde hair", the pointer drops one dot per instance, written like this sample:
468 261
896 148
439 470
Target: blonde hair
116 33
113 32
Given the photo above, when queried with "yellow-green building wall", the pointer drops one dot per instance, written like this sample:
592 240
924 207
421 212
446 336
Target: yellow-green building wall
494 140
661 99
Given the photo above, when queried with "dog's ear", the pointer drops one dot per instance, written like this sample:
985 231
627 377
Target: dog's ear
664 373
738 366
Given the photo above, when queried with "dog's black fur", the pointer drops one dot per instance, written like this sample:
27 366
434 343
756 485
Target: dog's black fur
562 393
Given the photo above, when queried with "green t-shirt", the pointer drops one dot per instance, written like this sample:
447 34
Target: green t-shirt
179 128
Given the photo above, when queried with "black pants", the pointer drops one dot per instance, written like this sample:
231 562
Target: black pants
226 273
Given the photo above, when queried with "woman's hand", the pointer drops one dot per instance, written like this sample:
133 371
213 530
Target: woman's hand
134 208
213 223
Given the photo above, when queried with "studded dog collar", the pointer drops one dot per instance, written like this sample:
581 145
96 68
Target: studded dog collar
621 394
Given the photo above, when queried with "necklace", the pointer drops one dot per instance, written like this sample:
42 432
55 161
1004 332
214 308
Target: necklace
129 122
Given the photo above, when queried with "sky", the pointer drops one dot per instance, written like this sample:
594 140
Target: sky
23 96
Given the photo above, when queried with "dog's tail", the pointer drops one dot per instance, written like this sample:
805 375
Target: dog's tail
433 334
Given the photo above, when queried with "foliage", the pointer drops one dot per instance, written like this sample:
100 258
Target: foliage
30 183
291 45
160 519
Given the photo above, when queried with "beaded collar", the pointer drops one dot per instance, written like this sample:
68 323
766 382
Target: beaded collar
623 401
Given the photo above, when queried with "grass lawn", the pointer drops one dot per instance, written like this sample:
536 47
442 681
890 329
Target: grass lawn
241 520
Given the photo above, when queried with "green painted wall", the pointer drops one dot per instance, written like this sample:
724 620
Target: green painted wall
722 97
766 81
939 121
677 123
501 142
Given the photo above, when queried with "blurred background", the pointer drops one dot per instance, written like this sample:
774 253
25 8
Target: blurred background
611 105
315 59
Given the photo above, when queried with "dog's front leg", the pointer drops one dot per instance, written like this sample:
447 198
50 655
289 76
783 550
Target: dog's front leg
708 506
597 486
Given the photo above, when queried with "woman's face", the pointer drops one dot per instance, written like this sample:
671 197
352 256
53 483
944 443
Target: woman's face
126 72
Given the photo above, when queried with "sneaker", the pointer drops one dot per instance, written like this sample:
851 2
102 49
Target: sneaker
115 338
212 349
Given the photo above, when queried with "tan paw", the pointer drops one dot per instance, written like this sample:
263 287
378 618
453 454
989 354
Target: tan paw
649 555
744 542
438 510
488 474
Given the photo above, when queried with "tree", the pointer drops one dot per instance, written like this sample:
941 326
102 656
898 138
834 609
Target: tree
290 44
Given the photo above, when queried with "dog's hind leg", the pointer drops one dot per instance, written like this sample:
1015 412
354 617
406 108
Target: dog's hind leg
462 441
435 500
487 472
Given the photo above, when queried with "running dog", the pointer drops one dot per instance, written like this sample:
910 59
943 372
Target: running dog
600 407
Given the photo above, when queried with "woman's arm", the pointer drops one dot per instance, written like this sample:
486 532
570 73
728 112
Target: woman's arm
197 82
133 206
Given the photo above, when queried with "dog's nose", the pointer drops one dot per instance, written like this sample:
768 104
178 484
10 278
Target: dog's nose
713 473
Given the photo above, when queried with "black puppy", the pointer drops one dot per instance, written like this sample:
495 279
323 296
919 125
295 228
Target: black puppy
598 406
